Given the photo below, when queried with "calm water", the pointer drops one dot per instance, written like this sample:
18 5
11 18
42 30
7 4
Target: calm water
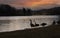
23 22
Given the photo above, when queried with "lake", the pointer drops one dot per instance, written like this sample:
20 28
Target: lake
12 23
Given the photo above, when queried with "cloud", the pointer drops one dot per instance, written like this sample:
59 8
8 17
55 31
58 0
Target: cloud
30 3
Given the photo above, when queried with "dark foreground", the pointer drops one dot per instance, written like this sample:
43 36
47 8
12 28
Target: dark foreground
45 32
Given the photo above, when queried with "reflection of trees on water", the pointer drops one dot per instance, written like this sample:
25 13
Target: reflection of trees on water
32 22
4 22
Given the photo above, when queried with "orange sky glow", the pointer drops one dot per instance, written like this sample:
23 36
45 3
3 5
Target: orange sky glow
33 3
30 3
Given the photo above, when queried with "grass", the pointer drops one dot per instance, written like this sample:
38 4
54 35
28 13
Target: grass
52 31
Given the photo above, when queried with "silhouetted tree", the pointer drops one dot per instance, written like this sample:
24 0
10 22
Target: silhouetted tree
7 10
19 12
29 12
24 11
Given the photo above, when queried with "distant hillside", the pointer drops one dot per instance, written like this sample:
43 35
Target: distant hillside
44 32
51 11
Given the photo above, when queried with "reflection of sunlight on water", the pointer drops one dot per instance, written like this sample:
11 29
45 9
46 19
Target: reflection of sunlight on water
21 22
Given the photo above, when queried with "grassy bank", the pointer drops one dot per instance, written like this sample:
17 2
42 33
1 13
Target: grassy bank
52 31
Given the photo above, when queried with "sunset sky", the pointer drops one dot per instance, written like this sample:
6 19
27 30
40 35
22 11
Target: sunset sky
35 4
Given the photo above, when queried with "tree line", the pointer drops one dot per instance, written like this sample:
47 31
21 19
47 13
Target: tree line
7 10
